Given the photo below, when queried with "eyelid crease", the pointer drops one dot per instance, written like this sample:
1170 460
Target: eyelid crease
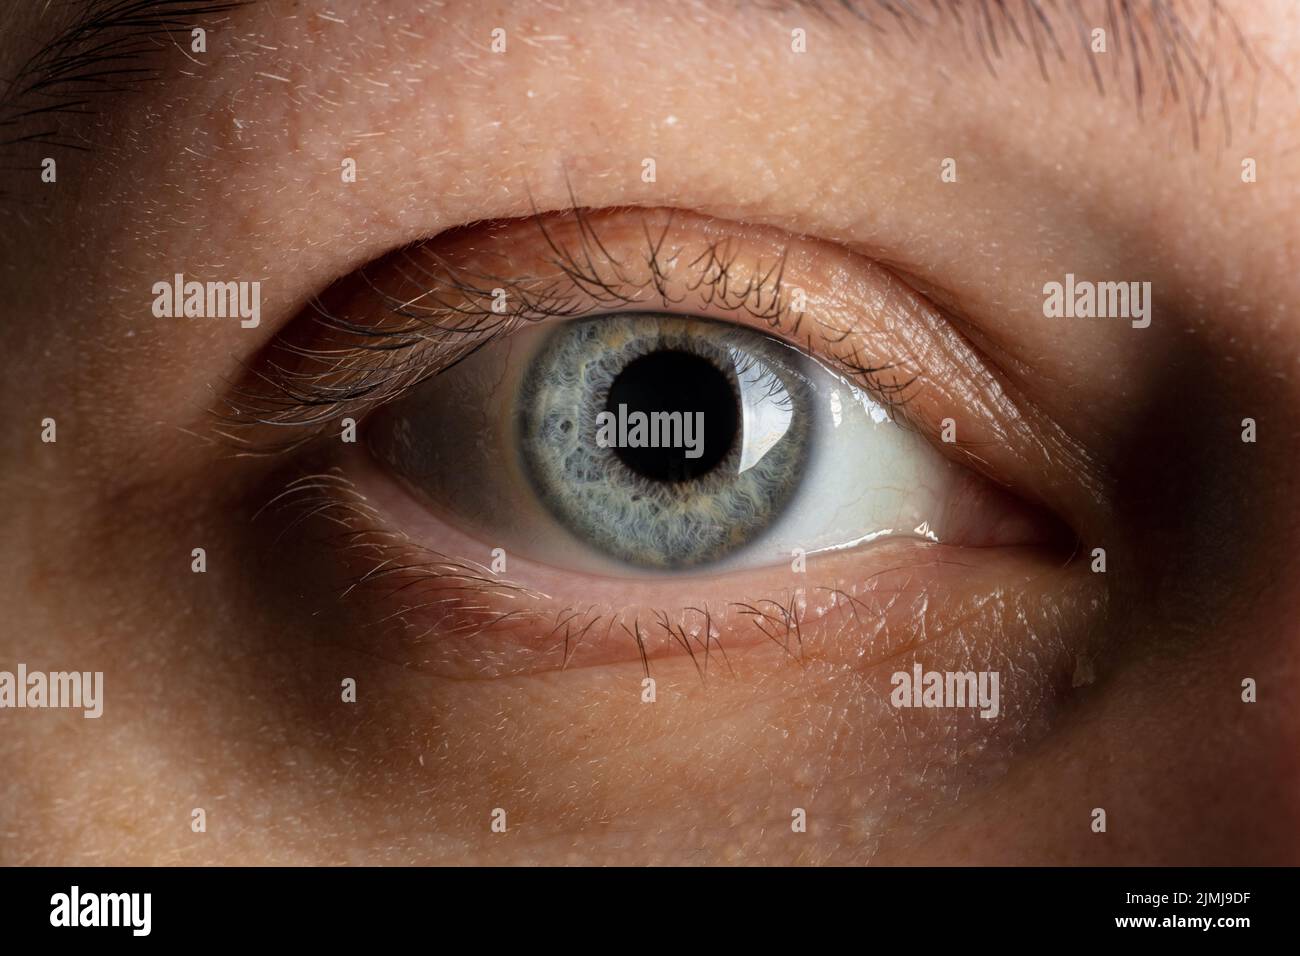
448 312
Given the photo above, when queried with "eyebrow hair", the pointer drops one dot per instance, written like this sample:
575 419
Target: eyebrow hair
1153 41
112 46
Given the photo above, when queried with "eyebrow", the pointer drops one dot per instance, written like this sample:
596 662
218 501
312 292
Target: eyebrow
113 46
1153 42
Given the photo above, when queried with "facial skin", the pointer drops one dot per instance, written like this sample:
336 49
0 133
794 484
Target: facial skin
1120 691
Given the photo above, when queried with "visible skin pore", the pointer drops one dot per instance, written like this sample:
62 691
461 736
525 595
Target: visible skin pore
1120 692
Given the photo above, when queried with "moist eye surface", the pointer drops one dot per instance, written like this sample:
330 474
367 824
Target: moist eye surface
664 441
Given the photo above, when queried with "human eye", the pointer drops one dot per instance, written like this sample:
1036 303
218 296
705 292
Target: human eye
658 440
648 440
687 413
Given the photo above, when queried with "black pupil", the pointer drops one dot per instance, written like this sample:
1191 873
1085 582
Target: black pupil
673 381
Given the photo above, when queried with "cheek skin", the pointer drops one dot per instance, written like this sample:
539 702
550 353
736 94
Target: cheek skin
718 764
585 770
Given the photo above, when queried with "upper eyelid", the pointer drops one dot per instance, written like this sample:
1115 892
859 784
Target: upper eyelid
448 313
878 331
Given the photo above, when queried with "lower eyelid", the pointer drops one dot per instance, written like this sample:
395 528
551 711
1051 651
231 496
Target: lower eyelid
447 614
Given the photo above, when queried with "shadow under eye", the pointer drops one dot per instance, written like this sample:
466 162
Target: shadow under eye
384 578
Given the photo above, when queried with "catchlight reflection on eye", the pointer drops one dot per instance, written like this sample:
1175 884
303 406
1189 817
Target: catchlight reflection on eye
657 442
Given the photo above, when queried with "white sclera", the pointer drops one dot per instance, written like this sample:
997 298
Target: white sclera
868 478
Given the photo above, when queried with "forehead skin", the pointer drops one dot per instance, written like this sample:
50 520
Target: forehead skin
231 169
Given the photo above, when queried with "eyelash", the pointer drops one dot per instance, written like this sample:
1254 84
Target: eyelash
360 367
425 578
